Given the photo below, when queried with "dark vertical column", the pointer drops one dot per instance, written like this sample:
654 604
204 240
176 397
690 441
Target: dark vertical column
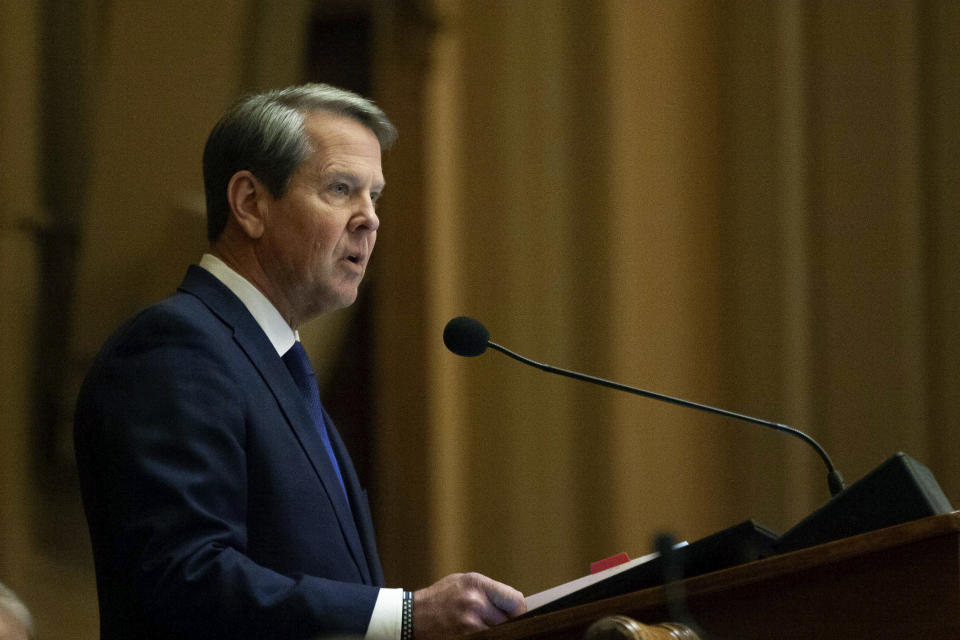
64 159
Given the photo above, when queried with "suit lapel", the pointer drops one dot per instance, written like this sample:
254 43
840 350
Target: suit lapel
254 343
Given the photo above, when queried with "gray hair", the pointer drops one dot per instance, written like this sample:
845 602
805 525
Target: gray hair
264 134
11 605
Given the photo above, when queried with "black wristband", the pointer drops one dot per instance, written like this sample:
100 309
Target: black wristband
406 622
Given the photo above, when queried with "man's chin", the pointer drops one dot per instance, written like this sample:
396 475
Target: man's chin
348 297
341 300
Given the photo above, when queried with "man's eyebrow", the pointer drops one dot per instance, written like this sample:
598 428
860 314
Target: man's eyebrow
348 176
338 174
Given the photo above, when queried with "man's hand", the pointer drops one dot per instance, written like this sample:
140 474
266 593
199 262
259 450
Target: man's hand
462 603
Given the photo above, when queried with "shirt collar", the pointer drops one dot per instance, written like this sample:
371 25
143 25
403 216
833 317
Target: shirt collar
266 315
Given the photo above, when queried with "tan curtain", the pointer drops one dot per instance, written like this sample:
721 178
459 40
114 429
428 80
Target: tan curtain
748 204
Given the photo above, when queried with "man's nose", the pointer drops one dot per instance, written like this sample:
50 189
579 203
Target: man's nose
367 217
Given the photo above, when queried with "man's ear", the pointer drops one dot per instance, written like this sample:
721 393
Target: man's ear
248 199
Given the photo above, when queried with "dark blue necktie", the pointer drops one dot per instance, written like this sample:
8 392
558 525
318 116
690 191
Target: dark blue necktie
300 368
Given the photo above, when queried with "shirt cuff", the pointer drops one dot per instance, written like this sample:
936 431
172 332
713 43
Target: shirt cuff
387 616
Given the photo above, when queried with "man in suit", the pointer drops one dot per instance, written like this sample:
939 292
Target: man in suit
220 498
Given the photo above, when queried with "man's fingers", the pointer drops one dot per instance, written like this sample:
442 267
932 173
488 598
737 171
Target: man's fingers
463 603
491 615
504 597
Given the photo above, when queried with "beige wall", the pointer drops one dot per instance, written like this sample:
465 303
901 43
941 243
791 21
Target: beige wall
750 204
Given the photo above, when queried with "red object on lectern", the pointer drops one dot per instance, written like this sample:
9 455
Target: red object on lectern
606 563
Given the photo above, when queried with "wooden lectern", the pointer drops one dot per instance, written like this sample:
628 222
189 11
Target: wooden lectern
899 582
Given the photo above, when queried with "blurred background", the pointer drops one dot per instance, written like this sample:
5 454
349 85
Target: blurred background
748 203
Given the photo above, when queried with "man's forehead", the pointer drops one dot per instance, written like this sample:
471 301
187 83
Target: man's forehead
344 151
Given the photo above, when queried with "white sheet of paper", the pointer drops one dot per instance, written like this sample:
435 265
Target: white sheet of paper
555 593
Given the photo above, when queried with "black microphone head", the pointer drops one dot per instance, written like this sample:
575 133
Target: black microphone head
465 336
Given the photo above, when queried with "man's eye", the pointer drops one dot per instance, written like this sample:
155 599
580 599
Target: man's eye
340 188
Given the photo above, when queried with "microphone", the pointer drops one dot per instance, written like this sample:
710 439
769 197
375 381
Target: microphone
468 337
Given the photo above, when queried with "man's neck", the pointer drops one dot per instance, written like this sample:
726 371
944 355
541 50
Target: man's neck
243 261
274 325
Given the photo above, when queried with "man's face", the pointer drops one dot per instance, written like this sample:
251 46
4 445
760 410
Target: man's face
319 236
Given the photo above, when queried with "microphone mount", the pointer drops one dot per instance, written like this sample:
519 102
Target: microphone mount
834 478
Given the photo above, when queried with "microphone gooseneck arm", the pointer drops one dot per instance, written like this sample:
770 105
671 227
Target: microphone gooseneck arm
834 479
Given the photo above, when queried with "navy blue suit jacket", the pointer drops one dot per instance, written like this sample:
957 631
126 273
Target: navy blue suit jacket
213 508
